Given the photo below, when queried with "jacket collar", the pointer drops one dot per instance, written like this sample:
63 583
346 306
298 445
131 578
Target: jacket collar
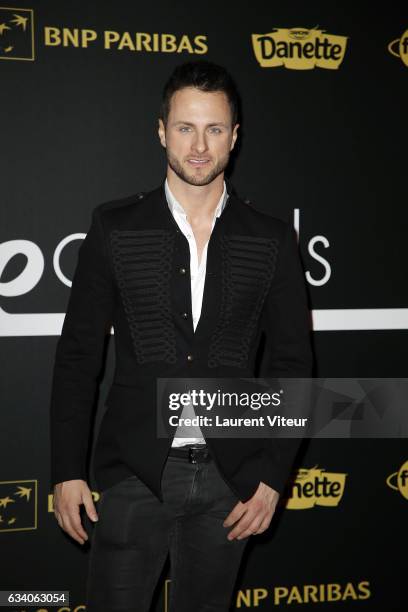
160 198
176 207
155 212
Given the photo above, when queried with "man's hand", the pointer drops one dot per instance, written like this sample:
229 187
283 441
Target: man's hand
68 496
253 516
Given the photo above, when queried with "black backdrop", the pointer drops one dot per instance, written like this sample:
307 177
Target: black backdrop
322 146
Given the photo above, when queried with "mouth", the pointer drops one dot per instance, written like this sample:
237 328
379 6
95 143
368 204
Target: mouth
194 161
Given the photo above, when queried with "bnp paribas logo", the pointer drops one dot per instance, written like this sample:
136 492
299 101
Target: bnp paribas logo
299 49
18 505
315 487
399 47
16 33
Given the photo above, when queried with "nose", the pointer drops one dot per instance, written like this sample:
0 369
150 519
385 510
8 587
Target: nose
200 143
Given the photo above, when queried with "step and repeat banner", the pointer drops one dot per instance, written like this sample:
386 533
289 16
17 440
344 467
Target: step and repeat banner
322 143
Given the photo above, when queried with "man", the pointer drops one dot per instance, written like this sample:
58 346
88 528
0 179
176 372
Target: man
192 279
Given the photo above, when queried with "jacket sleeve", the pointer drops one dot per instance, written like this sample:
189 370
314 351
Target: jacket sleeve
288 352
79 355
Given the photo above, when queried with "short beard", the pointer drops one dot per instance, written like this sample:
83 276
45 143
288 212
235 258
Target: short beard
193 180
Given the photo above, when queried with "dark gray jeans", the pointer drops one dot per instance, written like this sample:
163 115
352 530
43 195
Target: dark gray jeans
135 533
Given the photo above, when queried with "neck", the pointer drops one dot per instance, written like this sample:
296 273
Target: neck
199 201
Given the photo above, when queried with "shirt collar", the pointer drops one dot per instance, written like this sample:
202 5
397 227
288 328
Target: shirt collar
175 205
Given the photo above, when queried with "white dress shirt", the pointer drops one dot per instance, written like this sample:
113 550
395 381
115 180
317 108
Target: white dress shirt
197 272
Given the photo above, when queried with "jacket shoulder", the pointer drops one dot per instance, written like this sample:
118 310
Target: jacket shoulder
120 203
265 219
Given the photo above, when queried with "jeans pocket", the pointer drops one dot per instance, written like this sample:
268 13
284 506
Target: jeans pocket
118 485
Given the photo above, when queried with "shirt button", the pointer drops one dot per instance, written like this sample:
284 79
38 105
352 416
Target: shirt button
189 357
182 270
184 315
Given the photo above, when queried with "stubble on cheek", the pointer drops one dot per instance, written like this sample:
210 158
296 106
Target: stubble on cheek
193 177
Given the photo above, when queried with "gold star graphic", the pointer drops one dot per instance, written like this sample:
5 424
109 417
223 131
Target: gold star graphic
20 21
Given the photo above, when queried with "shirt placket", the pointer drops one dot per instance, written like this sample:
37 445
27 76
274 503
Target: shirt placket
197 279
196 272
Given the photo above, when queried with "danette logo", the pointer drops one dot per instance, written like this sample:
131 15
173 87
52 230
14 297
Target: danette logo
399 480
299 49
315 487
16 34
399 47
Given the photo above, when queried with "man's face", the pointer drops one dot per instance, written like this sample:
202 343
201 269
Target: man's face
198 137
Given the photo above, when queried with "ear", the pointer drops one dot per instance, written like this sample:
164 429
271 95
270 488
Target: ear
234 135
162 133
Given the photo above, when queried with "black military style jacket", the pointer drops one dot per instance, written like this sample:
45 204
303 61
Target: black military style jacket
133 274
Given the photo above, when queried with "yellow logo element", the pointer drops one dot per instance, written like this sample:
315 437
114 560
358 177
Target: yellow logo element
320 593
18 505
399 480
323 592
16 34
399 47
299 49
125 41
315 487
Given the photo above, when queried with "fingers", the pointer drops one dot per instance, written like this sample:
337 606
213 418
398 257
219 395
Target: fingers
246 527
253 521
71 523
263 526
238 510
69 519
90 506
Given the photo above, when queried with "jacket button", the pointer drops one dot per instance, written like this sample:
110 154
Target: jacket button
182 270
184 315
190 357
